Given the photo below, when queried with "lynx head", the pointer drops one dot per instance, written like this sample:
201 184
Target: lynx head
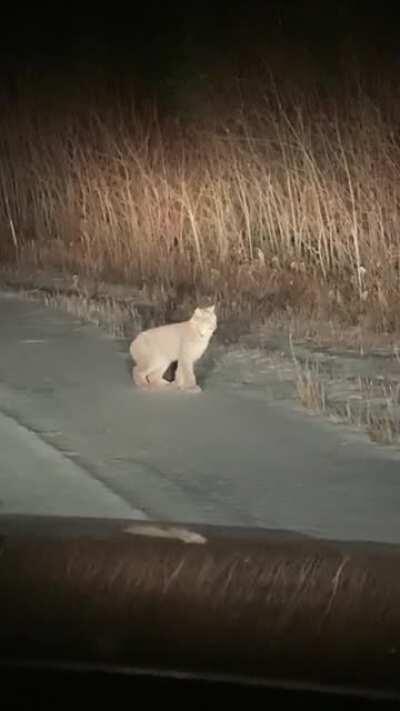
205 320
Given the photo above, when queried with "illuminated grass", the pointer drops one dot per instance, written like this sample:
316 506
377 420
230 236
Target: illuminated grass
289 201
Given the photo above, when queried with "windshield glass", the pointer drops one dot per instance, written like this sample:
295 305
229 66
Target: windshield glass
199 280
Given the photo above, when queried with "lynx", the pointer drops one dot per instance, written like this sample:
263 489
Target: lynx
155 349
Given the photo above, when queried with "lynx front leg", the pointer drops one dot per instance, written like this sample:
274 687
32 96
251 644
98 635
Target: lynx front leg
185 378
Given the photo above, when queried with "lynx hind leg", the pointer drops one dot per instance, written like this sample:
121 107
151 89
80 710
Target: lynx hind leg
150 375
140 355
149 367
139 377
155 377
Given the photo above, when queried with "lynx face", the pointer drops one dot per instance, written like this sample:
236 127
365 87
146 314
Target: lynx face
205 321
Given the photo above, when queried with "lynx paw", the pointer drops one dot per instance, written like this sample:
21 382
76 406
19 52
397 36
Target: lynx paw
158 385
190 388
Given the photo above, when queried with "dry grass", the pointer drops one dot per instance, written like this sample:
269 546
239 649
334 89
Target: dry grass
285 200
372 406
377 411
309 384
310 389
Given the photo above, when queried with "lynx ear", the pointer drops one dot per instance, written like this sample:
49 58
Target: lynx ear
211 308
197 313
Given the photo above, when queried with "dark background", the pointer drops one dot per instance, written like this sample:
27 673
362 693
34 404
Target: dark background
149 45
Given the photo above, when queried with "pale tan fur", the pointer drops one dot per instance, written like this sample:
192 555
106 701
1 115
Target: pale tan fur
154 351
